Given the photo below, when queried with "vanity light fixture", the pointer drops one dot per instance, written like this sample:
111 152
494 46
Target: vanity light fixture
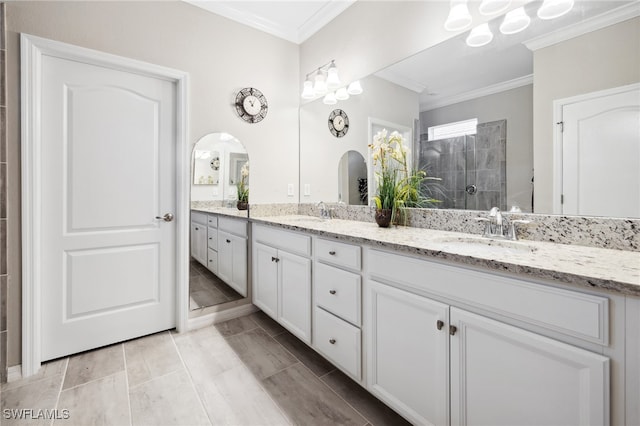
330 99
307 92
321 80
515 21
480 35
320 85
493 7
354 88
552 9
333 81
459 17
341 94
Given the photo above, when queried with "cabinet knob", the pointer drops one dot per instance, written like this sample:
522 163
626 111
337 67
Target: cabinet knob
332 341
332 291
197 229
439 324
452 329
332 253
275 259
228 241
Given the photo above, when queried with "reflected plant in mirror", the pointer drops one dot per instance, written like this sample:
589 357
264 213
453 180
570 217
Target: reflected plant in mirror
243 188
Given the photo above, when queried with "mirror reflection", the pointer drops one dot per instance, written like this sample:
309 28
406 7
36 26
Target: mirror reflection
352 179
217 169
530 84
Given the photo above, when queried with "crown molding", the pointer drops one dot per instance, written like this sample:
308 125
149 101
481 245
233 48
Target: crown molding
595 23
485 91
319 19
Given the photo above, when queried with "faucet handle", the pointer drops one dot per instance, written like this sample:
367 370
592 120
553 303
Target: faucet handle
512 229
487 225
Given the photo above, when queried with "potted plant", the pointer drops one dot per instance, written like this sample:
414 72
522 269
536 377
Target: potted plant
243 189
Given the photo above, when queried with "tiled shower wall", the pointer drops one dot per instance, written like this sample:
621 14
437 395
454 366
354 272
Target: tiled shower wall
4 279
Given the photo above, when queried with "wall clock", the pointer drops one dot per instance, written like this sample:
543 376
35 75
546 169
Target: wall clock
251 105
338 123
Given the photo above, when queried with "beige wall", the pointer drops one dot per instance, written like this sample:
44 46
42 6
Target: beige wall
515 106
600 60
320 151
220 55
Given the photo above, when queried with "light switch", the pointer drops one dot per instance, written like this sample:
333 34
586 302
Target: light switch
307 189
290 190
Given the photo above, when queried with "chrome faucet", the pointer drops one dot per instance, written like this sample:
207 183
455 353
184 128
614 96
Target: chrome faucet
325 213
497 226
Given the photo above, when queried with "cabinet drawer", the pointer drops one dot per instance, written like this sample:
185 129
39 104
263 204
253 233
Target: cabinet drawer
286 240
212 221
337 253
338 340
569 312
339 292
212 238
199 217
233 226
212 261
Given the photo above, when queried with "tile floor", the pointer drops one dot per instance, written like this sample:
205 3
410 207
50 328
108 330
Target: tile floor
206 289
246 371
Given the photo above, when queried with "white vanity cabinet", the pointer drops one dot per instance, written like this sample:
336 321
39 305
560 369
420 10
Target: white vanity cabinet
198 237
499 374
282 278
232 253
337 313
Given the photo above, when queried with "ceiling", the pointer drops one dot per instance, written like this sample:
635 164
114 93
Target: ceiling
452 72
292 20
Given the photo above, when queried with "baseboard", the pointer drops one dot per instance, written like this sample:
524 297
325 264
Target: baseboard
14 373
216 317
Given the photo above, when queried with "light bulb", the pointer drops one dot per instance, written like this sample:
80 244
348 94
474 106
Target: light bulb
307 92
515 21
551 9
480 35
330 99
341 94
493 7
333 82
320 86
354 88
459 17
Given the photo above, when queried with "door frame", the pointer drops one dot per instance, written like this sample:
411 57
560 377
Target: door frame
32 50
558 105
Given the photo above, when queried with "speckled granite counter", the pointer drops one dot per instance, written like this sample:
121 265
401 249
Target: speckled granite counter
614 270
223 211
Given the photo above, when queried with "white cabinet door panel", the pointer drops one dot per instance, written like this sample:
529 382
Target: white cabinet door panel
503 375
294 290
265 279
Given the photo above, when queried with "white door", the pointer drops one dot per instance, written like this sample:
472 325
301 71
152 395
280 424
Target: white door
503 375
107 171
408 361
294 294
601 155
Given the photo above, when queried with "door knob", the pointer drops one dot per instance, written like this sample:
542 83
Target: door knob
167 217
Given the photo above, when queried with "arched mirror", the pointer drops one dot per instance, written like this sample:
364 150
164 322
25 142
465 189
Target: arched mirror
219 166
352 179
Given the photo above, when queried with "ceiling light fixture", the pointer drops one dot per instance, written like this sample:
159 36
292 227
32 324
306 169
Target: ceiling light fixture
480 35
552 9
459 17
515 21
354 88
493 7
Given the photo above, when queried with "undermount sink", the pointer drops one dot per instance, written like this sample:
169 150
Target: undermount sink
486 245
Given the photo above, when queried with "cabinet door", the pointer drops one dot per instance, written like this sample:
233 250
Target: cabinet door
408 353
225 257
503 375
199 242
232 261
265 279
294 288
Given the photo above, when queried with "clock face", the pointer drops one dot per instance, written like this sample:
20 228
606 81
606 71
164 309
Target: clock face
251 105
338 123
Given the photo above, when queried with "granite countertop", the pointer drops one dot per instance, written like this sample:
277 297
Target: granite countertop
223 211
613 270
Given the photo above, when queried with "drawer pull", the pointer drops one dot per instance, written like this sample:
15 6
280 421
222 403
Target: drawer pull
332 341
452 329
439 324
332 253
332 291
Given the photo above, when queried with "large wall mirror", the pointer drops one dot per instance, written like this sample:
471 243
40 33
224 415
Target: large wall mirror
520 91
217 162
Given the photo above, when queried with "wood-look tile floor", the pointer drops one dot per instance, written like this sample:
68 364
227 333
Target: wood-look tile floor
206 289
246 371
